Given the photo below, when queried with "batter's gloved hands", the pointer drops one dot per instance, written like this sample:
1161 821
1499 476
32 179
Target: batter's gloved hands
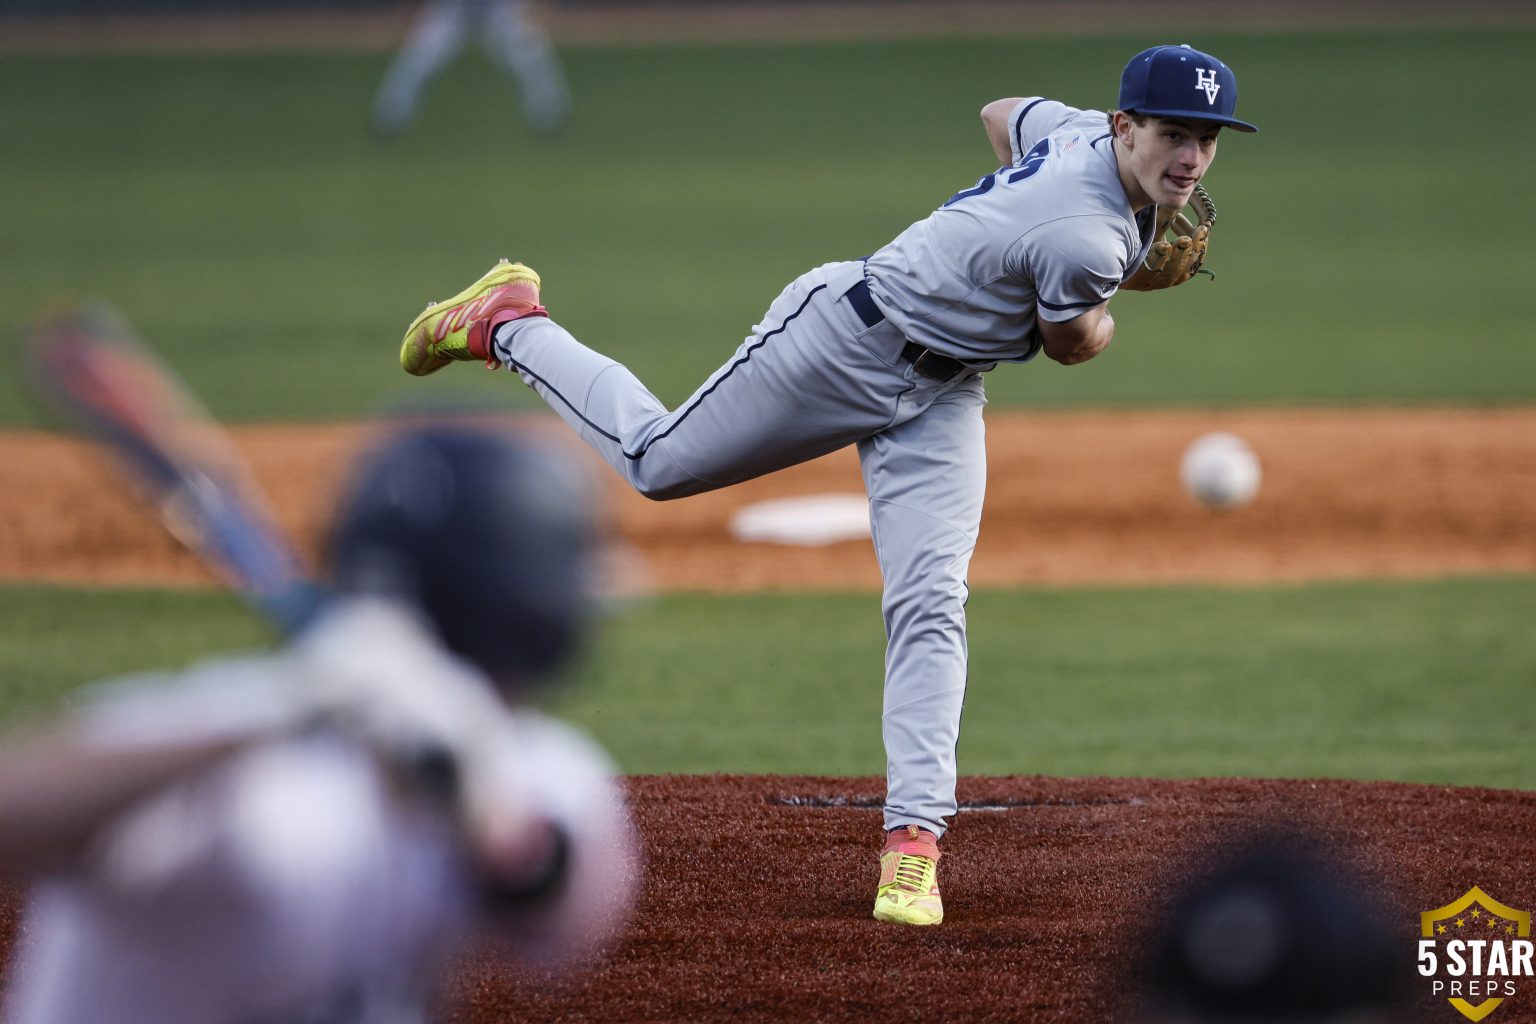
1179 251
558 906
370 669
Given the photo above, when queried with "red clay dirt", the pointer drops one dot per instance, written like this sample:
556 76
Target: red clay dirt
756 909
755 906
755 903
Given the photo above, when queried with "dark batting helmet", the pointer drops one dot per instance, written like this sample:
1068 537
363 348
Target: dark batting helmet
491 535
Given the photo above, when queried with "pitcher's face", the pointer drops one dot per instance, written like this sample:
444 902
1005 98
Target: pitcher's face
1165 157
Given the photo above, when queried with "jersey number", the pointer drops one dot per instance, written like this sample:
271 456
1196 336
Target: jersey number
1027 167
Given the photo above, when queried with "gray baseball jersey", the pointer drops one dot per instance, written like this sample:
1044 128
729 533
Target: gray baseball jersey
1053 230
855 353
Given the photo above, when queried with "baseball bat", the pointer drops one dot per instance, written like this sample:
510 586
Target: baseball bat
88 363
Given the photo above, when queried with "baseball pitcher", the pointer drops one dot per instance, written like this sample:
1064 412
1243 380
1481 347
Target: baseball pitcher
889 353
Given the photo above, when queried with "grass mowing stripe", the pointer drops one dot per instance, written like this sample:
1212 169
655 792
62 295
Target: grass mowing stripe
237 209
52 639
1425 682
1418 681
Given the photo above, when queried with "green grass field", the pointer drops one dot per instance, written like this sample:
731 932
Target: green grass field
1425 682
238 210
1371 249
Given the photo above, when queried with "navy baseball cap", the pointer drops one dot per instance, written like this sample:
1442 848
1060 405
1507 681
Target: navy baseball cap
1180 81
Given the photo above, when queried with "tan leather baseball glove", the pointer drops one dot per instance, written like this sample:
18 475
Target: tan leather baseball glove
1180 247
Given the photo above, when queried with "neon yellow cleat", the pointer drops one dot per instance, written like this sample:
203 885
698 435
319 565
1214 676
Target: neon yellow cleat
909 878
460 328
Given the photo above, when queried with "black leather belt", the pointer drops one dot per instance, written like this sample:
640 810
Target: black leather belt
925 361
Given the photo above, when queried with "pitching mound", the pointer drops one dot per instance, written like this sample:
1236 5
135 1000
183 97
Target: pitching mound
756 899
754 905
758 893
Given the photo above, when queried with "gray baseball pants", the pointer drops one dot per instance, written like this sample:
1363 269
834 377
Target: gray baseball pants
810 379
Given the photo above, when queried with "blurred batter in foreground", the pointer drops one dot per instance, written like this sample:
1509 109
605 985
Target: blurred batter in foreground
308 835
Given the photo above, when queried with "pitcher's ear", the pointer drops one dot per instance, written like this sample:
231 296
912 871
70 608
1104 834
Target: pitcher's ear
1121 125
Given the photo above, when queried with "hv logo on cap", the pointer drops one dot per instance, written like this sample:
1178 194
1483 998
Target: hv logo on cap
1206 79
1180 81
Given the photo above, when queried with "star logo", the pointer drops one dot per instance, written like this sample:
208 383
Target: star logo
1489 969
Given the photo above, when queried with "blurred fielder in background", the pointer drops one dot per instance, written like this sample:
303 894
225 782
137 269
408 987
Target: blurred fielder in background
306 836
888 353
509 34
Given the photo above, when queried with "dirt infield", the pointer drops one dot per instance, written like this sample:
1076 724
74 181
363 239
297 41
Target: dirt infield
1073 498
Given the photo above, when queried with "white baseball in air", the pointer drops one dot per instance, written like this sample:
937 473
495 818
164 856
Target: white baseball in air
1220 471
